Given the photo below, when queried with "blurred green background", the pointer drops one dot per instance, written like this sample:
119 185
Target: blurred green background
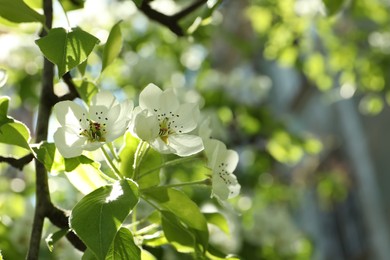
299 88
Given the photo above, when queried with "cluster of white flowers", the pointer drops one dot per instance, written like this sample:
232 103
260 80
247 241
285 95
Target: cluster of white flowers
161 120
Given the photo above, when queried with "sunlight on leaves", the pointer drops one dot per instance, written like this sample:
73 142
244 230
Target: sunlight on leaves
97 219
18 12
67 49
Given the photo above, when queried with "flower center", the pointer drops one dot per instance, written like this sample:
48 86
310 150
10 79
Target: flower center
168 125
95 133
165 130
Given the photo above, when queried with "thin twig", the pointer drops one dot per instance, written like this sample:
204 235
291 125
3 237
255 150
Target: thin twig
170 21
72 88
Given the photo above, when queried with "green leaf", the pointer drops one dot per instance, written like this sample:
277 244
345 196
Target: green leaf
15 133
86 177
124 247
18 12
70 5
4 101
138 2
145 255
12 131
67 49
184 208
86 89
3 77
215 254
48 155
82 67
113 45
150 160
97 217
176 233
88 255
52 238
82 172
332 7
218 220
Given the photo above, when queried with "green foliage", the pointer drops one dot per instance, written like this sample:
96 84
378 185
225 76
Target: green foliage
149 162
138 2
54 237
177 203
86 89
18 12
12 132
109 205
113 46
218 220
67 49
123 246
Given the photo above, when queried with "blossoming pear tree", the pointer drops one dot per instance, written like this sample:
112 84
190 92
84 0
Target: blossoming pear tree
119 156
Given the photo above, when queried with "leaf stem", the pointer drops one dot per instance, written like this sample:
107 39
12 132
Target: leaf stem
200 182
169 163
114 154
138 156
66 16
111 164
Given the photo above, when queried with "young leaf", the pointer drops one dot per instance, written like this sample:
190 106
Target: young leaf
138 3
97 217
15 133
113 45
184 208
4 101
145 255
47 154
52 238
86 89
18 12
82 172
124 247
219 220
67 49
3 77
12 131
70 5
176 233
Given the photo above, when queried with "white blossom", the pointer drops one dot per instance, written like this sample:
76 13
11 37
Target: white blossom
88 129
222 162
163 122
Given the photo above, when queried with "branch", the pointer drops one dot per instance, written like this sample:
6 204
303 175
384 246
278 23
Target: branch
72 88
188 10
17 163
60 218
170 21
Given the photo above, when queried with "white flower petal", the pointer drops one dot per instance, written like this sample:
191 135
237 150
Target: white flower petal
68 143
104 99
213 148
188 117
92 146
146 127
68 113
168 102
225 187
149 97
161 147
204 129
186 145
